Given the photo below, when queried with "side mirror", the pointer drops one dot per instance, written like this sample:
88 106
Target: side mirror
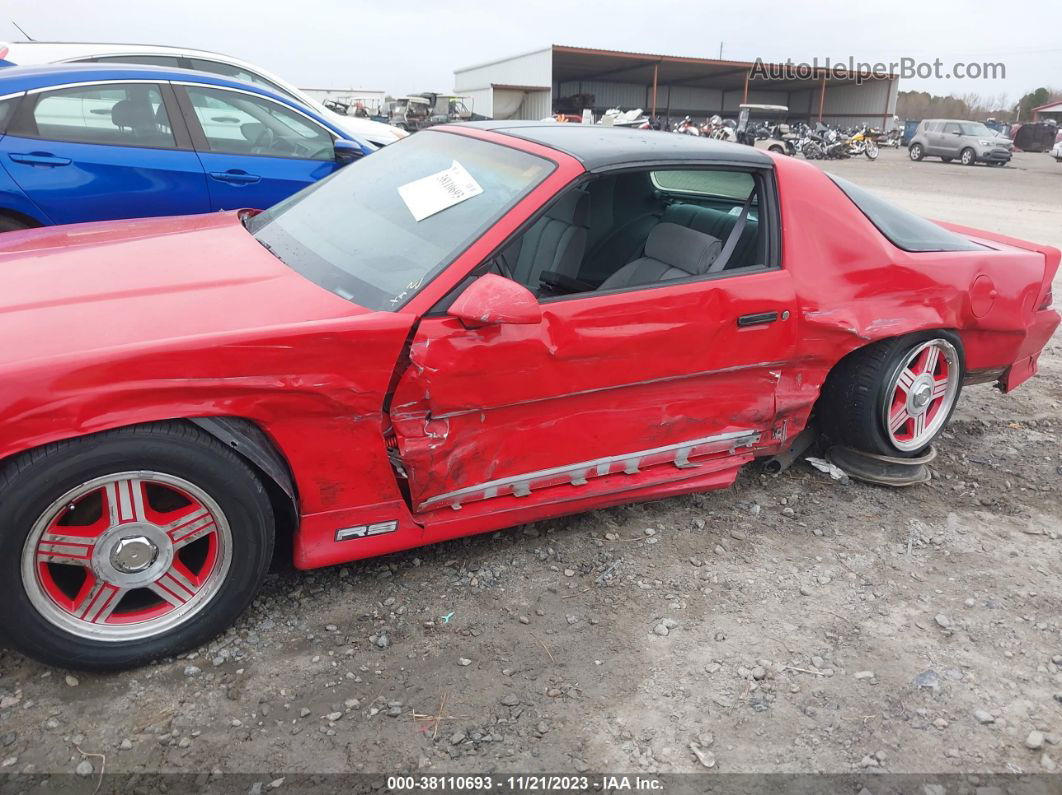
347 151
494 300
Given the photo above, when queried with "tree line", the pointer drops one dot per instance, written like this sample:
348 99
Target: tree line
923 105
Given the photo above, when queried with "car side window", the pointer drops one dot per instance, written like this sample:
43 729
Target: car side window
130 114
642 229
951 128
7 110
243 124
237 73
147 60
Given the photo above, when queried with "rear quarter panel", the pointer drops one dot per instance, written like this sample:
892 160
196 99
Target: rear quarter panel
854 287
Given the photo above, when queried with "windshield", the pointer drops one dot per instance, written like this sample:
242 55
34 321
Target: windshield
976 129
382 227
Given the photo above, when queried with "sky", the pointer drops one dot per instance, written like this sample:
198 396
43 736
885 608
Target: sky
415 45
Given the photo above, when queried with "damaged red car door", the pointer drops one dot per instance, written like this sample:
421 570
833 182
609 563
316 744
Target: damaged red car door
608 393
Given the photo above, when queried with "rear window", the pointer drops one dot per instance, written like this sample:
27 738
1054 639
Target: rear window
724 184
903 229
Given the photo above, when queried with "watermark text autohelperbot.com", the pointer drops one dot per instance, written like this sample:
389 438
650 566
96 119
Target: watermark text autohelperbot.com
905 68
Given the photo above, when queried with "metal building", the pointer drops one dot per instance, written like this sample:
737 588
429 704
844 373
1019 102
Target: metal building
559 78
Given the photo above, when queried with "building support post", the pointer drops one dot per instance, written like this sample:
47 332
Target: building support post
745 96
885 114
822 99
656 74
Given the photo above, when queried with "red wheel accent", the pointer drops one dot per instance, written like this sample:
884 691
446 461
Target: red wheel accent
922 393
133 549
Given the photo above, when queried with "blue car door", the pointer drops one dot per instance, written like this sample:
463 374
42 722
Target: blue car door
255 151
104 150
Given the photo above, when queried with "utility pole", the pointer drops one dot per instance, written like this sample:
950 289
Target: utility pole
720 51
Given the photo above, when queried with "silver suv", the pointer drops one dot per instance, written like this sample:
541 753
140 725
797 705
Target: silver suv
967 141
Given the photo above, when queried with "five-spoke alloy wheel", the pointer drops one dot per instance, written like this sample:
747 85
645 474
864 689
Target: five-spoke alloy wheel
125 556
921 394
895 396
125 546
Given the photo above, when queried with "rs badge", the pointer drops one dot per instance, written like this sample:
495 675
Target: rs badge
365 530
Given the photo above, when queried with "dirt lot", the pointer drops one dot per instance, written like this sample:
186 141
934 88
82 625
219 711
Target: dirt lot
791 623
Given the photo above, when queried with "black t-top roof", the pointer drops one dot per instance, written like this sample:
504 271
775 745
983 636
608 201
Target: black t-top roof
598 146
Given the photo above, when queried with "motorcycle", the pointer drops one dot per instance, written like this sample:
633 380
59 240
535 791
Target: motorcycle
809 143
686 127
863 143
834 145
720 130
891 138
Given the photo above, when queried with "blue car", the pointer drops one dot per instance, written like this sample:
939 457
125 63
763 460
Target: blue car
97 142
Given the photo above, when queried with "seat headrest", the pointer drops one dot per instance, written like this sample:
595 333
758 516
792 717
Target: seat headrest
572 208
134 115
683 248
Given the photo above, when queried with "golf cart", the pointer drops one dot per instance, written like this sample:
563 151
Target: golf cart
745 134
418 111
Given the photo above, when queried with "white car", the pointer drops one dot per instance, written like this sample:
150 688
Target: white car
1057 151
39 53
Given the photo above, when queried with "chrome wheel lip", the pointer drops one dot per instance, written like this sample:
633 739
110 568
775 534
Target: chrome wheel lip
947 400
142 630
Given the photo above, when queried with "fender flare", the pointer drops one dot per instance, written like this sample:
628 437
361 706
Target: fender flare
249 441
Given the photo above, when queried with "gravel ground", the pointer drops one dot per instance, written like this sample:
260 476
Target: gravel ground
791 623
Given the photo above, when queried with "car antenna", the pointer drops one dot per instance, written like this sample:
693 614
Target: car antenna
20 30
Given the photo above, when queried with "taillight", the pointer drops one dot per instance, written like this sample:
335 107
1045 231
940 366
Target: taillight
1048 300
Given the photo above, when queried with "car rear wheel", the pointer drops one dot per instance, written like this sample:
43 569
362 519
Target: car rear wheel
968 157
895 396
130 545
916 152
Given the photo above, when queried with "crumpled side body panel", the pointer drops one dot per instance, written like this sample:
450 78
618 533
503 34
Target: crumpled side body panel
623 376
316 389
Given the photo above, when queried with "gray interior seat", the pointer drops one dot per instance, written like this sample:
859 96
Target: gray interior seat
671 252
556 242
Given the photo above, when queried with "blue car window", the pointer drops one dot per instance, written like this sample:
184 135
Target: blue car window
130 114
7 108
236 123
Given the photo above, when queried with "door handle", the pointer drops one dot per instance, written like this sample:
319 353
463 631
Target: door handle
757 318
235 177
39 159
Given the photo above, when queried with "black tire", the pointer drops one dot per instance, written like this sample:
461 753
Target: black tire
11 224
31 482
916 151
968 157
849 411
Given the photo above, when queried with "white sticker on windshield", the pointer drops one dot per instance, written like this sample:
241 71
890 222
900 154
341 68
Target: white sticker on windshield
426 196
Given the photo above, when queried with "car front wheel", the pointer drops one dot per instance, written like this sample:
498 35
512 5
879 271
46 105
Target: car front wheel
968 157
894 397
916 152
129 545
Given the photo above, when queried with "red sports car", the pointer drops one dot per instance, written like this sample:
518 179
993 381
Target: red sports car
479 326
